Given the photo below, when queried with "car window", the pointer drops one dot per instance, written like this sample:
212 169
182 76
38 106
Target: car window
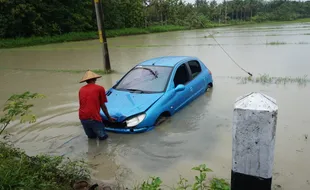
181 75
195 68
146 79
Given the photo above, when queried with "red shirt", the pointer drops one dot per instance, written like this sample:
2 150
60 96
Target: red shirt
91 96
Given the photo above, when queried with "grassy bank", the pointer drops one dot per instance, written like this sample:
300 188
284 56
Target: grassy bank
79 36
302 20
20 171
98 71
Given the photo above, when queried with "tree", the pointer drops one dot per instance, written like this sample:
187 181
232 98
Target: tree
25 18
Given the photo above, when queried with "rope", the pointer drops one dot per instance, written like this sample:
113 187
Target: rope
229 55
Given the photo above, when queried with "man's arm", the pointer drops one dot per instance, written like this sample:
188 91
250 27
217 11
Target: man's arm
103 100
105 111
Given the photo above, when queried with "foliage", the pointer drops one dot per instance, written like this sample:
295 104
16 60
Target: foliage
20 171
153 184
182 184
17 106
28 18
200 182
219 184
25 18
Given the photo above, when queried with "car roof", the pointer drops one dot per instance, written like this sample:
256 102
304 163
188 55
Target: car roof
169 61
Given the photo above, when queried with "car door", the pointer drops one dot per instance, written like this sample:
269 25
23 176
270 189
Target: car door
197 83
181 98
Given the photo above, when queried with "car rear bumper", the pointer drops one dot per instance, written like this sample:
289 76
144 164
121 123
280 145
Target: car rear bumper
128 130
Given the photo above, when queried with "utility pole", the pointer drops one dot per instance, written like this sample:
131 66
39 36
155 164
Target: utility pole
102 34
225 11
220 14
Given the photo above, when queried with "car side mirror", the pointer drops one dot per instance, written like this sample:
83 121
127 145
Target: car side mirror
180 87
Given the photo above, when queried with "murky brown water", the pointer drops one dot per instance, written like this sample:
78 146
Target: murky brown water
200 133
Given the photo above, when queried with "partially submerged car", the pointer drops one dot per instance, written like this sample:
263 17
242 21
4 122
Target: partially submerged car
153 90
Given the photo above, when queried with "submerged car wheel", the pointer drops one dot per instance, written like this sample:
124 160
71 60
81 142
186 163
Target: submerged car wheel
162 118
210 85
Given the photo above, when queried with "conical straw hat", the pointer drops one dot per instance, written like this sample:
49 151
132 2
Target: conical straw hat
89 75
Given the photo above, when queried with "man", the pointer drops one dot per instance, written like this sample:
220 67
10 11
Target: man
92 97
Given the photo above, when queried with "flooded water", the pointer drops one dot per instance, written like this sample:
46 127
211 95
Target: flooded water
200 133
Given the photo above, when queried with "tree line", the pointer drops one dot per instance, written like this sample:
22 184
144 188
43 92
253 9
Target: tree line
25 18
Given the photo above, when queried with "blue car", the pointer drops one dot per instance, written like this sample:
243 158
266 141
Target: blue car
154 90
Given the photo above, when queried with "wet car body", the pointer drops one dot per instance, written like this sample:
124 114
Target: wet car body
155 89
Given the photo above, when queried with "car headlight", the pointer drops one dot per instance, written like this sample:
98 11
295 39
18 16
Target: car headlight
135 120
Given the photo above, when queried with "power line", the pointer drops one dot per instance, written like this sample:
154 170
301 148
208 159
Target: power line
229 55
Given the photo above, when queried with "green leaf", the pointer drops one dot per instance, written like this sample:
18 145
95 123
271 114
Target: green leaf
197 168
203 176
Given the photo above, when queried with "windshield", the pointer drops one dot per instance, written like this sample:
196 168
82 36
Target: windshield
145 79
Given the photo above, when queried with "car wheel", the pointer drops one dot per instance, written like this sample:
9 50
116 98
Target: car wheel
210 85
160 120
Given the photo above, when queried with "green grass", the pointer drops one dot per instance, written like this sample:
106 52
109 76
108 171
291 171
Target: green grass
167 28
266 79
285 43
20 42
249 23
98 71
79 36
303 42
137 31
273 34
302 20
275 43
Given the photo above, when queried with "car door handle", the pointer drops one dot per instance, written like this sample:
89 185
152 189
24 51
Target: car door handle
191 88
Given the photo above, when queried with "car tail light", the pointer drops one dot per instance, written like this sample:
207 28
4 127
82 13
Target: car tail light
210 72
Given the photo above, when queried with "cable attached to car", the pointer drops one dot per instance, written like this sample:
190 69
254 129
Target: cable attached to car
230 56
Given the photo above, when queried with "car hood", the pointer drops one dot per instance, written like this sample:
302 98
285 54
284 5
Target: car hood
122 104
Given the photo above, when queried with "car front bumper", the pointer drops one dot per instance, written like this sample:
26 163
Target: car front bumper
128 130
120 127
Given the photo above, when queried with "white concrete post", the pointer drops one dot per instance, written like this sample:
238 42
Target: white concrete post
254 129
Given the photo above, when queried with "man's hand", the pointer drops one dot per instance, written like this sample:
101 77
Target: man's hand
105 110
112 119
